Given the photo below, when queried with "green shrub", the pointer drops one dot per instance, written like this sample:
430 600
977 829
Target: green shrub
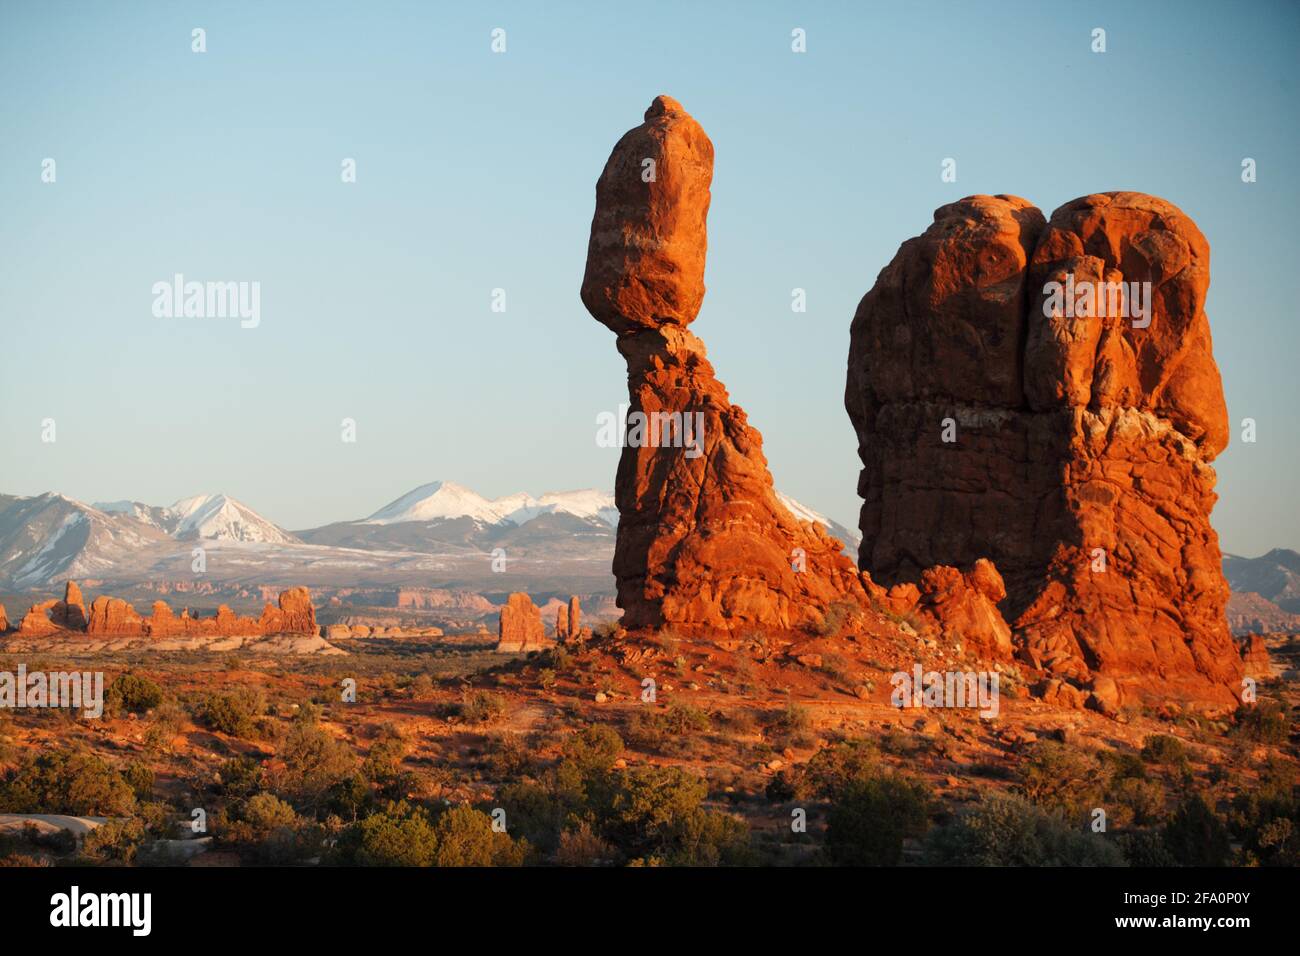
1196 836
132 693
833 770
240 777
66 781
232 713
117 841
465 838
1164 750
314 762
139 777
1061 779
398 835
870 820
482 706
1010 831
1267 723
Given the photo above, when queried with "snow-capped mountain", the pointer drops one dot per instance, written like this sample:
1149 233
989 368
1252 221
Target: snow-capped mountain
49 537
439 526
446 499
207 517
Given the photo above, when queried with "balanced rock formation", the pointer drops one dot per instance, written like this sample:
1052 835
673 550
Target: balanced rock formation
1013 401
520 627
703 543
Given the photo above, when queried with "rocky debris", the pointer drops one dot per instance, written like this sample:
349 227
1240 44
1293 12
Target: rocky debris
520 628
1071 449
962 609
1254 656
703 542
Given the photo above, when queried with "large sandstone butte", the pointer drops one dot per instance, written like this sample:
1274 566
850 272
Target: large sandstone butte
520 626
1072 450
703 542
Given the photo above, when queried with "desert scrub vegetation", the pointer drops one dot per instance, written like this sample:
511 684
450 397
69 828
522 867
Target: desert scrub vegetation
233 713
131 693
587 810
69 781
1267 722
674 730
482 707
1008 830
404 834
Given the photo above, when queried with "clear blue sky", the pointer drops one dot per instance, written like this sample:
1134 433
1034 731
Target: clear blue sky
477 170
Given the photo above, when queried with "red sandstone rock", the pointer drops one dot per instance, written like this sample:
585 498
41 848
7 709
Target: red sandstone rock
4 620
36 622
1254 656
703 543
1090 442
562 623
964 606
70 613
520 627
110 616
293 615
575 616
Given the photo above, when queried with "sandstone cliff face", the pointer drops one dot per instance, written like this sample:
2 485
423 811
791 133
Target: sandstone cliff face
1071 444
4 620
520 626
703 543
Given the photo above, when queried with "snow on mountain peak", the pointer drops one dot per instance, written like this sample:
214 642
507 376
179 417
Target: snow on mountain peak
446 499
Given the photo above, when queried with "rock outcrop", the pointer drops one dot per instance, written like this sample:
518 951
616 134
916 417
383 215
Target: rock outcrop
568 621
70 613
1011 403
703 543
113 617
520 627
4 620
293 614
36 622
1254 657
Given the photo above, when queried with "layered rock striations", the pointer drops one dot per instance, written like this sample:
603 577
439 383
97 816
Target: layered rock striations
703 543
1014 401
